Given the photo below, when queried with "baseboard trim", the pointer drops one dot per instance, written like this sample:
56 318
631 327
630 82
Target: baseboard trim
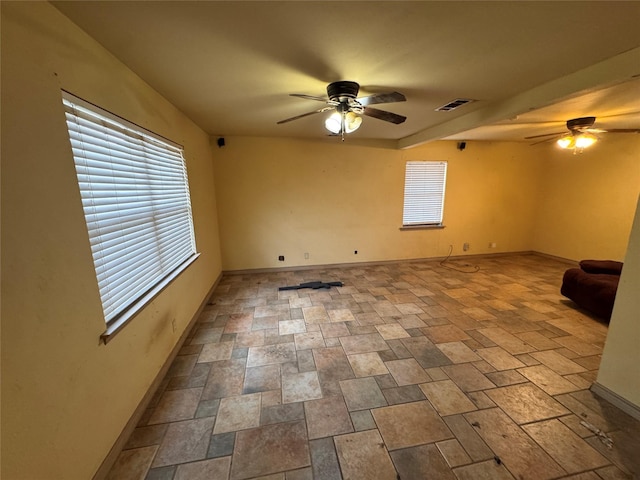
122 439
327 266
568 261
616 400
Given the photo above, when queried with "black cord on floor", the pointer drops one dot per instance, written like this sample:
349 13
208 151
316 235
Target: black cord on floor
475 268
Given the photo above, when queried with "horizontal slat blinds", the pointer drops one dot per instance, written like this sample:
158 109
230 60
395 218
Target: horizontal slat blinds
424 193
135 196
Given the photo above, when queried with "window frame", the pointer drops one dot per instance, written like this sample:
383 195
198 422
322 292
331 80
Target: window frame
424 177
137 208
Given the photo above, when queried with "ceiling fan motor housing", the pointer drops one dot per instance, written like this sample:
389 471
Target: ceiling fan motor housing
582 123
342 91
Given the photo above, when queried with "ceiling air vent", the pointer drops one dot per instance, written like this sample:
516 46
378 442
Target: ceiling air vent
454 104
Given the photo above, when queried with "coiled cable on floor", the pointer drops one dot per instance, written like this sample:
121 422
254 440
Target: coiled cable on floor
465 268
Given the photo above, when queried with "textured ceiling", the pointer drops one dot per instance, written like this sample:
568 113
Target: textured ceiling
230 66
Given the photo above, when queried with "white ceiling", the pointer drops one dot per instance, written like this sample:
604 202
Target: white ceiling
531 66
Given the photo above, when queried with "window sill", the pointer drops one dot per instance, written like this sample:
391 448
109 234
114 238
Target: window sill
117 325
421 227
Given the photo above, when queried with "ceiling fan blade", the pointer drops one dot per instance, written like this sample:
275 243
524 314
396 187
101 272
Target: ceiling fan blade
309 97
546 140
304 115
382 98
621 130
384 115
544 135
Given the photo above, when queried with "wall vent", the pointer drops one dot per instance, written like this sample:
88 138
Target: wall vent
454 104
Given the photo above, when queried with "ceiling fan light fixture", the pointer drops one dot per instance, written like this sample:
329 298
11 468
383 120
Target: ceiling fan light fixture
334 123
577 141
585 140
566 141
352 122
343 122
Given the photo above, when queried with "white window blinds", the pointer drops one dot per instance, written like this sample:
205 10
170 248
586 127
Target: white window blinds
424 187
135 196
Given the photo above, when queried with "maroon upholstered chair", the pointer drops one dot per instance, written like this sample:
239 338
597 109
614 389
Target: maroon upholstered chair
593 286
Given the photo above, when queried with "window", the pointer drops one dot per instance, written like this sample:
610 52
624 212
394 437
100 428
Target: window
424 185
135 196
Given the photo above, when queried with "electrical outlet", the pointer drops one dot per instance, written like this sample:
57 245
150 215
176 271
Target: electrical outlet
465 247
492 245
306 255
281 258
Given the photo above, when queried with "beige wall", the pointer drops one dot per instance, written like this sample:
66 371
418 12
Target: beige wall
287 197
621 357
65 397
587 201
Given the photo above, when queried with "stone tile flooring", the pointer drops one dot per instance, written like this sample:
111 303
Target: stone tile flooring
409 371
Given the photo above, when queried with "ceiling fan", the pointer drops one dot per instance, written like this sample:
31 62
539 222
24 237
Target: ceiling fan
343 99
581 134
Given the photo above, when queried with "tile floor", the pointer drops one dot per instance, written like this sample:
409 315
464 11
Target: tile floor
408 371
